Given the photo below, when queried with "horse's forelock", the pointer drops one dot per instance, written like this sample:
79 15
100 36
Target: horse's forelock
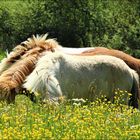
42 37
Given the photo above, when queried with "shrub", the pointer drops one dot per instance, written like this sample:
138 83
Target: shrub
113 24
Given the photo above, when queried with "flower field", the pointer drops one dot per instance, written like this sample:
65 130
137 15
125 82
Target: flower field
96 120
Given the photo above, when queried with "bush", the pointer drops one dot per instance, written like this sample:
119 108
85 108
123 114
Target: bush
113 24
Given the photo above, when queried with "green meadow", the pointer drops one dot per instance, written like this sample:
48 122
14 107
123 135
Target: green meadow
96 120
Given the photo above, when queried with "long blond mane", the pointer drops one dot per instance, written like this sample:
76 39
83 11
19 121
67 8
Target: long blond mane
21 63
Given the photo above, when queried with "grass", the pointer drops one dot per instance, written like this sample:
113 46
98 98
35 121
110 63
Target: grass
69 120
96 120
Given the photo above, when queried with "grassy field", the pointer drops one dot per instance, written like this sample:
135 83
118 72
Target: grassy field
69 120
96 120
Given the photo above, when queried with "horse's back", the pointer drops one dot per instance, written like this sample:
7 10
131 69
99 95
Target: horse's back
91 75
80 76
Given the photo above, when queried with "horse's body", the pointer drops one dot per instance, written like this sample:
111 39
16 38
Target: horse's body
58 74
132 62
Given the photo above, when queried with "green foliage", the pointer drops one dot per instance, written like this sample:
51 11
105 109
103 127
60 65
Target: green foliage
109 23
2 54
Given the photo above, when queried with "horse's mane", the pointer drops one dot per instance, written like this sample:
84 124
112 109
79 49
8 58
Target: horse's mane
13 77
132 62
26 47
18 71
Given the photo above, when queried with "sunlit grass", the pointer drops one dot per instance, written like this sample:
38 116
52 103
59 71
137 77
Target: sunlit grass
96 120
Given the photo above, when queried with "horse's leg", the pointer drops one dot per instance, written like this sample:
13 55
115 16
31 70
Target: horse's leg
135 91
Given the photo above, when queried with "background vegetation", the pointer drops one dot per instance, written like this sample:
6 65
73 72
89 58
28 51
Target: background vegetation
75 23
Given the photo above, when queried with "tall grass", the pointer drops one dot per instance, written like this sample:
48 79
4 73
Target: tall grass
96 120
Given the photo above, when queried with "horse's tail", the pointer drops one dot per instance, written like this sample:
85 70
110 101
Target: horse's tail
135 91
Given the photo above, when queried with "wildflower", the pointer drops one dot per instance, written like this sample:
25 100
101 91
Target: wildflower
75 100
76 104
82 100
135 126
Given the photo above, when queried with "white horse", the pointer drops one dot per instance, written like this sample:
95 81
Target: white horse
58 74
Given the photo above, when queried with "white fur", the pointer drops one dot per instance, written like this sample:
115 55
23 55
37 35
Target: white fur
87 77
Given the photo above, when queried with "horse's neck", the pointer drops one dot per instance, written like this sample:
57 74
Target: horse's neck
74 50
